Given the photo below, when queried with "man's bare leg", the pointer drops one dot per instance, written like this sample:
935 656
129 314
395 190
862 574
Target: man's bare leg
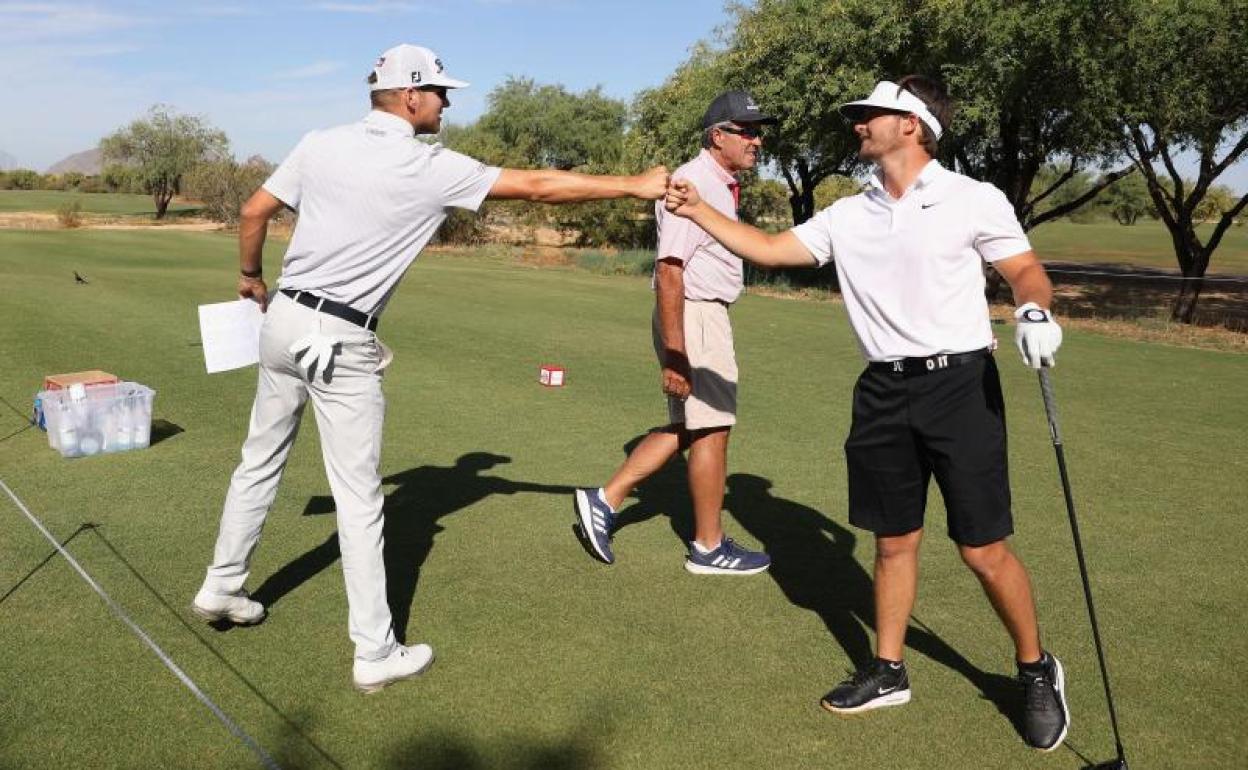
646 458
896 584
1005 581
708 472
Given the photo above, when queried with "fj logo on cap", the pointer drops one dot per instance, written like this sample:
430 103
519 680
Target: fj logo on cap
416 76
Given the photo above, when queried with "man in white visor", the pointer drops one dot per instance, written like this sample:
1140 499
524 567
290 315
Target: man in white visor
909 253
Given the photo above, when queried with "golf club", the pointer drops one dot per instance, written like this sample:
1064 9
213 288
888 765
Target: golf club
1050 410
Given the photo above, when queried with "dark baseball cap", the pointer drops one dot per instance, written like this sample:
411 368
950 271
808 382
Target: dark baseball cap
735 106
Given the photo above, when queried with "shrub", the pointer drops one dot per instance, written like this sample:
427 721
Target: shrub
632 262
223 186
462 228
69 214
23 179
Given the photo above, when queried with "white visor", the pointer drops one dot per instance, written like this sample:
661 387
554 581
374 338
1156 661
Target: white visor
890 96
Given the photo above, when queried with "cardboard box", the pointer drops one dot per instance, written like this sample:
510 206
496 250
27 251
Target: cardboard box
88 379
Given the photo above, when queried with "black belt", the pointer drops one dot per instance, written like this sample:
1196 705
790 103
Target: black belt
345 312
915 367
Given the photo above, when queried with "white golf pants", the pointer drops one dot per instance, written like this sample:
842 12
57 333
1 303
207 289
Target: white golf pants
349 406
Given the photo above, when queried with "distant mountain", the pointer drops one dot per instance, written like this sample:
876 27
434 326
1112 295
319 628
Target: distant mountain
7 162
87 162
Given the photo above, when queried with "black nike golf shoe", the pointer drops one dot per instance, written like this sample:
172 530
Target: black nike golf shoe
1045 716
878 684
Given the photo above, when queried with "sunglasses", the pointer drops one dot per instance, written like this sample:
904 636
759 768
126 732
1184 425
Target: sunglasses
749 132
439 90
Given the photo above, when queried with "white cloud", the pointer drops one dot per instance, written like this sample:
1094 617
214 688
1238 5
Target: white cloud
370 8
313 70
226 10
28 22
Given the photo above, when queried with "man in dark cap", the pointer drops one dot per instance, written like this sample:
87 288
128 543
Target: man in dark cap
696 280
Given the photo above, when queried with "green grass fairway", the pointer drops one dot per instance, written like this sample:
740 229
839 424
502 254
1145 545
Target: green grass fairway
48 201
1145 244
546 658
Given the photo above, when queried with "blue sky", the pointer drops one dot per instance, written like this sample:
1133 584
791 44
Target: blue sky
71 72
265 73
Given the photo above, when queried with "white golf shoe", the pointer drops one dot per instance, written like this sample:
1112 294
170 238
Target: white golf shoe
237 608
370 676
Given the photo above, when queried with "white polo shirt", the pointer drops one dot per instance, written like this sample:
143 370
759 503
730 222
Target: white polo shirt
712 272
369 196
911 268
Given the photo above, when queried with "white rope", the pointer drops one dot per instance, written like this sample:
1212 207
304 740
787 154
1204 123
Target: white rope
264 757
1148 276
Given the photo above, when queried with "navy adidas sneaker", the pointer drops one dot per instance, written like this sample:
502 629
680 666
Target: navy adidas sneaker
728 559
596 520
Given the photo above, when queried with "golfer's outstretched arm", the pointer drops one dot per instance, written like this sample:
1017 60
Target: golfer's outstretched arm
749 243
550 186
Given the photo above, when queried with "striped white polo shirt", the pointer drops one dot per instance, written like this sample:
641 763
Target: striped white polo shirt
910 268
370 195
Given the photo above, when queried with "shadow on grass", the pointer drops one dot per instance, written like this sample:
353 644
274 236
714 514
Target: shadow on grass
813 564
666 493
457 752
1100 290
424 496
163 430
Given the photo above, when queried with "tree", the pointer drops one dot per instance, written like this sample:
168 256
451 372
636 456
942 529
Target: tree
834 188
1034 84
1183 89
801 59
667 125
118 178
1074 187
23 179
547 126
1127 200
224 185
1217 202
532 125
162 147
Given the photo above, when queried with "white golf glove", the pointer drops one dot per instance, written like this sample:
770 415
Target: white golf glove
317 352
1037 335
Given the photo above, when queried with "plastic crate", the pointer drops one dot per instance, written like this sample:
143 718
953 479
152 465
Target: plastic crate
99 419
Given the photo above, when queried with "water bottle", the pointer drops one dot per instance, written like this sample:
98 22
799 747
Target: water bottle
66 430
125 424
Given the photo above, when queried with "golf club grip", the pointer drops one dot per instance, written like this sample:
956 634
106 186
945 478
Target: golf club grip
1050 404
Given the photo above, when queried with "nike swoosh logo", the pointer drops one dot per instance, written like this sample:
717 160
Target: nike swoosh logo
926 205
885 690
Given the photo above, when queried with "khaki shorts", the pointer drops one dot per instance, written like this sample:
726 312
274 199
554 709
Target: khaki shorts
712 401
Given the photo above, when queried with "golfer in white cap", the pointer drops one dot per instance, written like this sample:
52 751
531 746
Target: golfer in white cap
369 195
909 253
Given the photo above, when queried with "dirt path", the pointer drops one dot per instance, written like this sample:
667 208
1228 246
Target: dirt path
30 220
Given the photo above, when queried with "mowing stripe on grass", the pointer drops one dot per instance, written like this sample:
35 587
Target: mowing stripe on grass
260 753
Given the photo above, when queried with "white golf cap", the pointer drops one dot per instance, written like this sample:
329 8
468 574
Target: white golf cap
888 95
411 66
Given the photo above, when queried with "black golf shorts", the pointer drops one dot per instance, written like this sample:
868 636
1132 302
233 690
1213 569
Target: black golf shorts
908 427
